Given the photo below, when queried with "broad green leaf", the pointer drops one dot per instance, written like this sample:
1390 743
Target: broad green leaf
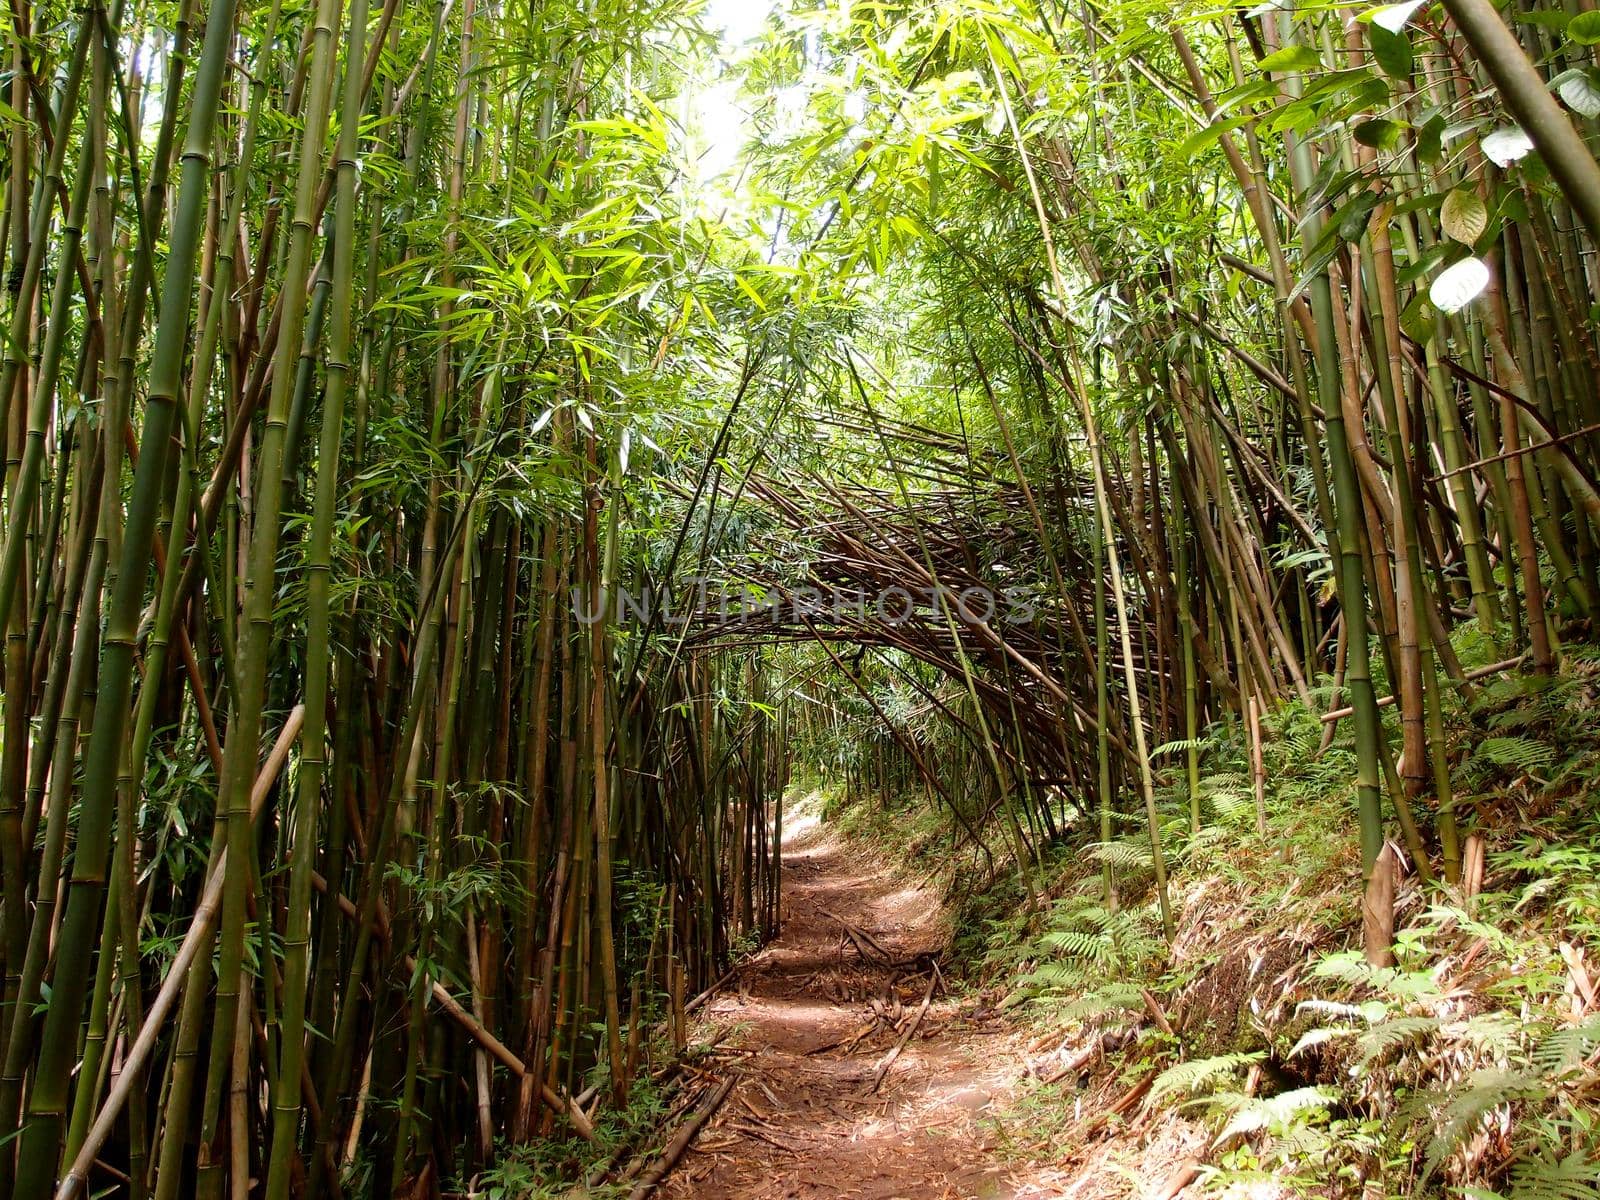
1418 317
1392 52
1458 285
1585 28
1381 133
1463 216
1292 58
1550 20
1430 139
1351 218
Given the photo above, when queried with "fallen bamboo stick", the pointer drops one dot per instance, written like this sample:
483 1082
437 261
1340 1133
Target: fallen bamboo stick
911 1029
200 929
680 1141
564 1105
1475 673
1180 1178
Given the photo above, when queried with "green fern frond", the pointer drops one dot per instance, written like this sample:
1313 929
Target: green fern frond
1278 1112
1115 998
1516 718
1075 943
1491 1031
1188 1077
1565 1049
1508 688
1386 1035
1371 1012
1235 808
1351 968
1054 976
1463 1107
1575 1177
1523 754
1318 1037
1125 856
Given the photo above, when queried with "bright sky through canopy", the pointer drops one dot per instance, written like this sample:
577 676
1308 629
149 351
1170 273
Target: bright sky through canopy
722 119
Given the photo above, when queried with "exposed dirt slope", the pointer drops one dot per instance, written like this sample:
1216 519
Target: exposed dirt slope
805 1119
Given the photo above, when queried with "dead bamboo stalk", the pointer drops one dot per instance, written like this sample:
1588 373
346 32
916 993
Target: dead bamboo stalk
910 1032
200 930
680 1140
564 1105
1475 673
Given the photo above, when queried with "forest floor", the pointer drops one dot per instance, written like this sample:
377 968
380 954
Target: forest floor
810 1021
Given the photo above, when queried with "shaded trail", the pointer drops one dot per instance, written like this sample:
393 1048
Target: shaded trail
815 1019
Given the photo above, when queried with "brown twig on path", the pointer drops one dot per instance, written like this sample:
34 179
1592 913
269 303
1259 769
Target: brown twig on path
1180 1178
712 990
911 1029
1076 1063
866 945
851 1038
680 1141
1128 1099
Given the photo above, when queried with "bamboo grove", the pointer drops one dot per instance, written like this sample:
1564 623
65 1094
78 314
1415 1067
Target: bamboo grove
1270 333
381 380
333 839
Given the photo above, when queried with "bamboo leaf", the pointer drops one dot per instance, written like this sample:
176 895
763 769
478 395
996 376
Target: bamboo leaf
1208 136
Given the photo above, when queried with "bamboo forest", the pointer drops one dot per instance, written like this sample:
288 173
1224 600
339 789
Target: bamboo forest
800 598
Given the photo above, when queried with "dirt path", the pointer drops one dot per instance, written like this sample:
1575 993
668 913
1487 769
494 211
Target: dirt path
804 1120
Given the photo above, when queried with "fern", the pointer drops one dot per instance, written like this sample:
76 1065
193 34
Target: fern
1235 808
1190 1076
1076 943
1386 1035
1575 1177
1115 998
1317 1037
1047 976
1351 968
1124 856
1565 1049
1516 718
1508 688
1277 1112
1463 1107
1371 1012
1524 754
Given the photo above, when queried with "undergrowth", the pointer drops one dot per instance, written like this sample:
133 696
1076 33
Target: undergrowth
1467 1069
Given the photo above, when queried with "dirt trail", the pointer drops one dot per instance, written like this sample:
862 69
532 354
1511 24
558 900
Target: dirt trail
803 1120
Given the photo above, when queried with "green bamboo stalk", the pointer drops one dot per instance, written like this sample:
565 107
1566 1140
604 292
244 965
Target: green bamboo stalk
40 1143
